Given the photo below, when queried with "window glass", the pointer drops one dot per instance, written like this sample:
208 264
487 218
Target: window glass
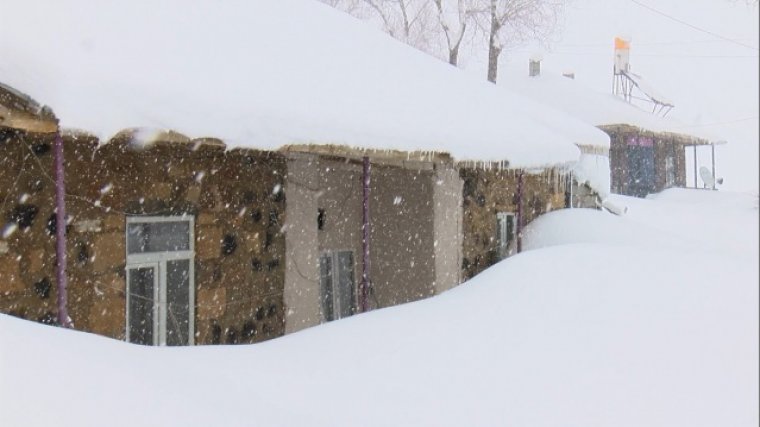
158 237
346 283
141 285
325 284
177 302
505 233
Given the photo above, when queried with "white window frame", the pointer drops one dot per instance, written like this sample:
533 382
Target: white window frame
159 260
503 248
333 254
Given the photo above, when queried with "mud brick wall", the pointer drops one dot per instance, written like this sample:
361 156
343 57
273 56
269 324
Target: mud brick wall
239 247
487 192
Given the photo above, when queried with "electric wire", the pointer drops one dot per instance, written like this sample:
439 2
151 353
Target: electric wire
682 22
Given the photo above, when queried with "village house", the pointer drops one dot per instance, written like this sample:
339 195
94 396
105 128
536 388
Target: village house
204 229
647 152
293 201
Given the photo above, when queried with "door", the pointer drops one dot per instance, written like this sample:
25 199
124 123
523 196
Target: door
160 281
641 176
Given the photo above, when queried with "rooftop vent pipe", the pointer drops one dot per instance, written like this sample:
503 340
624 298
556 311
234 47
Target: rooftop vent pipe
534 66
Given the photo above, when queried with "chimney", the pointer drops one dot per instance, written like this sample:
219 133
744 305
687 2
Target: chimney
534 66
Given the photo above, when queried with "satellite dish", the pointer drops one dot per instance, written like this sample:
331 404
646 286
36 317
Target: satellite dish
707 177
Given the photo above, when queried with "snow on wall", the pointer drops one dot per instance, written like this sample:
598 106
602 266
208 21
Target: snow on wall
265 74
594 170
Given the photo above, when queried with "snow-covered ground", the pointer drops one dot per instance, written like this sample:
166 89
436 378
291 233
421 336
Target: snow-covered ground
641 320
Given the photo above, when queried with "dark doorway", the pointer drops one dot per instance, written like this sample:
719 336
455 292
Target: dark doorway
641 175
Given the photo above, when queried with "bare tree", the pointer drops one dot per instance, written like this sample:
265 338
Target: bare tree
453 18
410 21
510 23
438 27
348 6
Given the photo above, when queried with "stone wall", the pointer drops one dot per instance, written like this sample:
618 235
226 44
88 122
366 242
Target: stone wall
487 192
237 198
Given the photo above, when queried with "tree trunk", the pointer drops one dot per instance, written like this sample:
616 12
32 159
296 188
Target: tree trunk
454 50
454 55
493 50
493 61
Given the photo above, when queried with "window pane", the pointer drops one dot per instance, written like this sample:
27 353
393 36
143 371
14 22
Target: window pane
505 233
325 284
178 302
510 228
158 237
346 283
501 230
141 283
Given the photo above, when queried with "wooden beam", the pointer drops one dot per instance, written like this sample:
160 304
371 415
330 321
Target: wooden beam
20 120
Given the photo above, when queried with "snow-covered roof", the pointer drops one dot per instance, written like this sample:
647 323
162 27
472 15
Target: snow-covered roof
594 107
264 74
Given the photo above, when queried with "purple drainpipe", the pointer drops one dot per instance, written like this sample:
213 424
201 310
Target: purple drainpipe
60 232
519 211
365 284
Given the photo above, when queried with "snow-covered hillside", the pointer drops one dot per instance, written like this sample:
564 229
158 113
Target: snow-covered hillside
646 319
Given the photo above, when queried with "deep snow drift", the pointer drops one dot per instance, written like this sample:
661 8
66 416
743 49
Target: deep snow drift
646 319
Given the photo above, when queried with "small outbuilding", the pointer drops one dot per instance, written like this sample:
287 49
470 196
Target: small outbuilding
646 154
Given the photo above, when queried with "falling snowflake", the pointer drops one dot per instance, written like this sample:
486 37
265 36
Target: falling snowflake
9 229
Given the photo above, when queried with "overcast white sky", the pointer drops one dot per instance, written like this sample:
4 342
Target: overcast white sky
711 81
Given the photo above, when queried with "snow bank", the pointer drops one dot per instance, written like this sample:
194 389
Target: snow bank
682 219
619 332
595 226
265 74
